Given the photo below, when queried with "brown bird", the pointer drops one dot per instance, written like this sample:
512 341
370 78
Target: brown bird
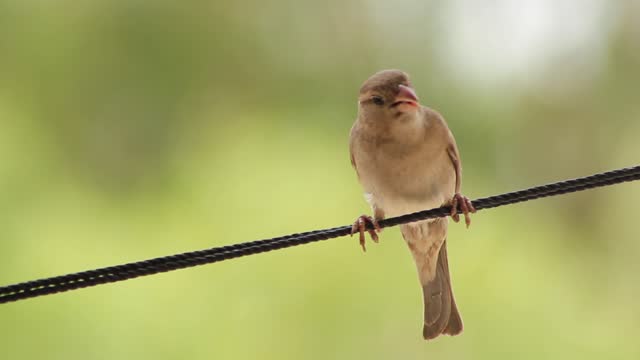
407 160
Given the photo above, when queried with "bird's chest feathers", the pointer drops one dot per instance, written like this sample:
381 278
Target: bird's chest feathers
405 167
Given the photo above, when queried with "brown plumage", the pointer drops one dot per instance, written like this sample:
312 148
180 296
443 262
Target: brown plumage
407 160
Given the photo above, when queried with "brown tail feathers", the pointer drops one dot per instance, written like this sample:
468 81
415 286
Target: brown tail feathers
440 312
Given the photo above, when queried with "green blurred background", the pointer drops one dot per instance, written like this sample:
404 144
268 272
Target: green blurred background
135 129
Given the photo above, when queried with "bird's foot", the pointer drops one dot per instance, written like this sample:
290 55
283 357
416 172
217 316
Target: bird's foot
360 226
465 205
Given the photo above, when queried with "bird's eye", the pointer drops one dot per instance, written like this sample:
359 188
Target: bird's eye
378 100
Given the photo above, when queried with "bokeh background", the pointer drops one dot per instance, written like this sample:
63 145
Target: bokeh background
136 129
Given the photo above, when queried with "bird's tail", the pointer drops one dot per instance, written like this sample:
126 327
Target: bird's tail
440 311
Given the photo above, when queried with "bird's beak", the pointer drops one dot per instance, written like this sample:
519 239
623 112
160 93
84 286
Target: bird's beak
406 95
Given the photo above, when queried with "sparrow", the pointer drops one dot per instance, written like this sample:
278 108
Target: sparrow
407 160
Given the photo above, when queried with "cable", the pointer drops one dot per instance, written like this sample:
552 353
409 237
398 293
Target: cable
132 270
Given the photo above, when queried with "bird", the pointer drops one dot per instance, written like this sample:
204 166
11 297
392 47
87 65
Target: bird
407 160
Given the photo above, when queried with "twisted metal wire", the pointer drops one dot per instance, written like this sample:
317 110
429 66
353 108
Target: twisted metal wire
132 270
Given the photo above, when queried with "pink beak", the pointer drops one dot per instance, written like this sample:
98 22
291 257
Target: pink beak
406 94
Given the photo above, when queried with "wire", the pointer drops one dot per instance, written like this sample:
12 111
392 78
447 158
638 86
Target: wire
132 270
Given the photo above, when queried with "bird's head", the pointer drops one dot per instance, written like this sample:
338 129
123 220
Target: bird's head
387 94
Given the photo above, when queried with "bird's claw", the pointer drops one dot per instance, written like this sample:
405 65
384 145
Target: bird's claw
360 226
465 205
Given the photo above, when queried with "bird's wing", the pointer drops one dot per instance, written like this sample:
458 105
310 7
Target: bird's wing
351 154
454 155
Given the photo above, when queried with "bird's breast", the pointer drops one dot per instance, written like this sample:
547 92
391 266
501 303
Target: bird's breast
402 178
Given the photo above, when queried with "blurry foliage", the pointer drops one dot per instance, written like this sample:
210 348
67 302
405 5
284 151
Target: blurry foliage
132 129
